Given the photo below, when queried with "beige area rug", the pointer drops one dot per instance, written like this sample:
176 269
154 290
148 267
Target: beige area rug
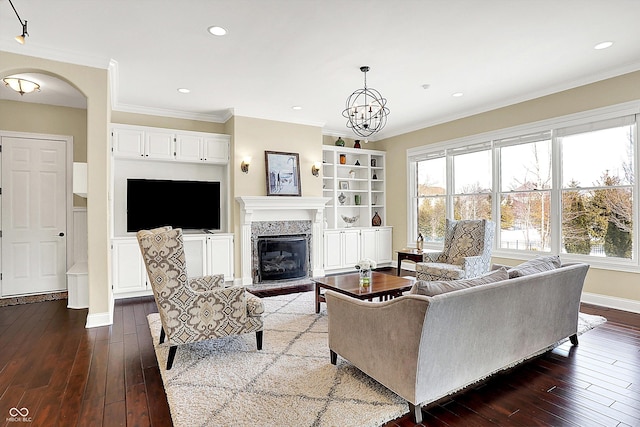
290 382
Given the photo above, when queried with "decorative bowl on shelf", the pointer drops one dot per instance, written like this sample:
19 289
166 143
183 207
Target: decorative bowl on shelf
350 220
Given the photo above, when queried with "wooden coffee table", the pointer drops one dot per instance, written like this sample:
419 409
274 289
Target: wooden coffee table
382 285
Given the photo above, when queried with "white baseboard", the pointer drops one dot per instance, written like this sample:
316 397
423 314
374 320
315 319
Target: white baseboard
101 319
611 302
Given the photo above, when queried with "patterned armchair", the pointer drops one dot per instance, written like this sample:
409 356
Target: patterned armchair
466 252
194 309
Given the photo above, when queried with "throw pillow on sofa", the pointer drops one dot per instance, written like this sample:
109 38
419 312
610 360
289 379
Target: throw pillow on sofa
423 287
536 265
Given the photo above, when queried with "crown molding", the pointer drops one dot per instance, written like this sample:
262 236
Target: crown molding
54 54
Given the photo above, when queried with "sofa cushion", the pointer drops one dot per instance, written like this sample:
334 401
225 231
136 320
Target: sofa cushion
536 265
422 287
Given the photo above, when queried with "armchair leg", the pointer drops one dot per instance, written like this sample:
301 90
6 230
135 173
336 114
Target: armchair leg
161 335
172 355
259 339
334 357
416 412
574 339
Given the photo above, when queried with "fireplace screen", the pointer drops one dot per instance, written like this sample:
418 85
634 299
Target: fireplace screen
281 258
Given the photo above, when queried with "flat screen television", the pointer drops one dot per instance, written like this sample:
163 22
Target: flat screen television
190 205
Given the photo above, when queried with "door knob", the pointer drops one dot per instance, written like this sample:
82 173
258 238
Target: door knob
61 234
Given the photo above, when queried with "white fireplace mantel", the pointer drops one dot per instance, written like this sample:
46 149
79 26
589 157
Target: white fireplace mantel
281 208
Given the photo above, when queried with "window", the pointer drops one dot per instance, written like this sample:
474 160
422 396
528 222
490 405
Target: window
553 189
525 193
472 183
431 198
597 192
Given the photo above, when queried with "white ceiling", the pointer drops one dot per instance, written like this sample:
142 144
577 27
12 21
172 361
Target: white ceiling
281 53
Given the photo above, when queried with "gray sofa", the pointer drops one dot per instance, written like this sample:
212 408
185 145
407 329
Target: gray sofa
425 348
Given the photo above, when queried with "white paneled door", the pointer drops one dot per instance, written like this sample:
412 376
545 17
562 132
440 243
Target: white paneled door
33 216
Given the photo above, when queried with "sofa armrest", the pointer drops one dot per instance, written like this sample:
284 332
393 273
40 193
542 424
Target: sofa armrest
206 283
382 339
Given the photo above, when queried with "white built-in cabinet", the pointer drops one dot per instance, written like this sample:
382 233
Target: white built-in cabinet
158 153
375 244
354 179
211 149
341 249
160 144
205 254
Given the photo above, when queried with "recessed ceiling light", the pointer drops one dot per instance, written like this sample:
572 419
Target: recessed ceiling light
457 94
296 107
426 86
217 31
603 45
184 90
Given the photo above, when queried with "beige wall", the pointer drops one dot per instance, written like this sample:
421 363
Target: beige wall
597 95
48 119
94 84
252 137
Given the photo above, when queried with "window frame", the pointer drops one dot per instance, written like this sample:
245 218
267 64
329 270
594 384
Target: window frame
556 128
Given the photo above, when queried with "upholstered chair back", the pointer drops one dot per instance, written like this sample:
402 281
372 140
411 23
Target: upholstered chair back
469 238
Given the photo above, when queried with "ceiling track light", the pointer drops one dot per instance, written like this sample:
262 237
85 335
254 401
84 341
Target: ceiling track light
366 111
20 38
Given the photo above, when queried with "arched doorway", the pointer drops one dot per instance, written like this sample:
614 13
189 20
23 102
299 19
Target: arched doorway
42 134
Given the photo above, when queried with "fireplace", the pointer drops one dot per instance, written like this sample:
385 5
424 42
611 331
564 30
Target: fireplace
282 258
282 216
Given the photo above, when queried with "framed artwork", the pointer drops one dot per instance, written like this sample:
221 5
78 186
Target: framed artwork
344 185
283 173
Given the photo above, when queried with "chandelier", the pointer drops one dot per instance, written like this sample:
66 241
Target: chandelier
366 111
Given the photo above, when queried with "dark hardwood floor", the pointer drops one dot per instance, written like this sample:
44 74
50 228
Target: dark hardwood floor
66 375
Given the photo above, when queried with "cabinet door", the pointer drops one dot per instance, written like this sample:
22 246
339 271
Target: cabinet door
159 145
351 248
369 244
189 148
129 274
332 250
216 150
195 253
385 244
221 260
128 143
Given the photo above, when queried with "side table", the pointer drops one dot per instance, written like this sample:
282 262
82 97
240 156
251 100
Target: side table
410 254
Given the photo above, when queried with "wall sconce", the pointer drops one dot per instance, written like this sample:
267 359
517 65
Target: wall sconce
244 166
315 169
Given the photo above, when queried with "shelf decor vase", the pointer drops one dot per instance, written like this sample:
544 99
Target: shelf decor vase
356 144
376 221
340 142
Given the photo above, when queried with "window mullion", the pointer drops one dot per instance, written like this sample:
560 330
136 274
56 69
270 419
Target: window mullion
556 195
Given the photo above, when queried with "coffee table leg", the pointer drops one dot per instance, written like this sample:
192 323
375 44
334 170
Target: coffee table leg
317 298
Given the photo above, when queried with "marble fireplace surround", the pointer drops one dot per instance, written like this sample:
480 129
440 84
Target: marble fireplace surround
281 208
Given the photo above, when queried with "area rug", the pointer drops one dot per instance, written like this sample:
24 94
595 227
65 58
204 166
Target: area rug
290 382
